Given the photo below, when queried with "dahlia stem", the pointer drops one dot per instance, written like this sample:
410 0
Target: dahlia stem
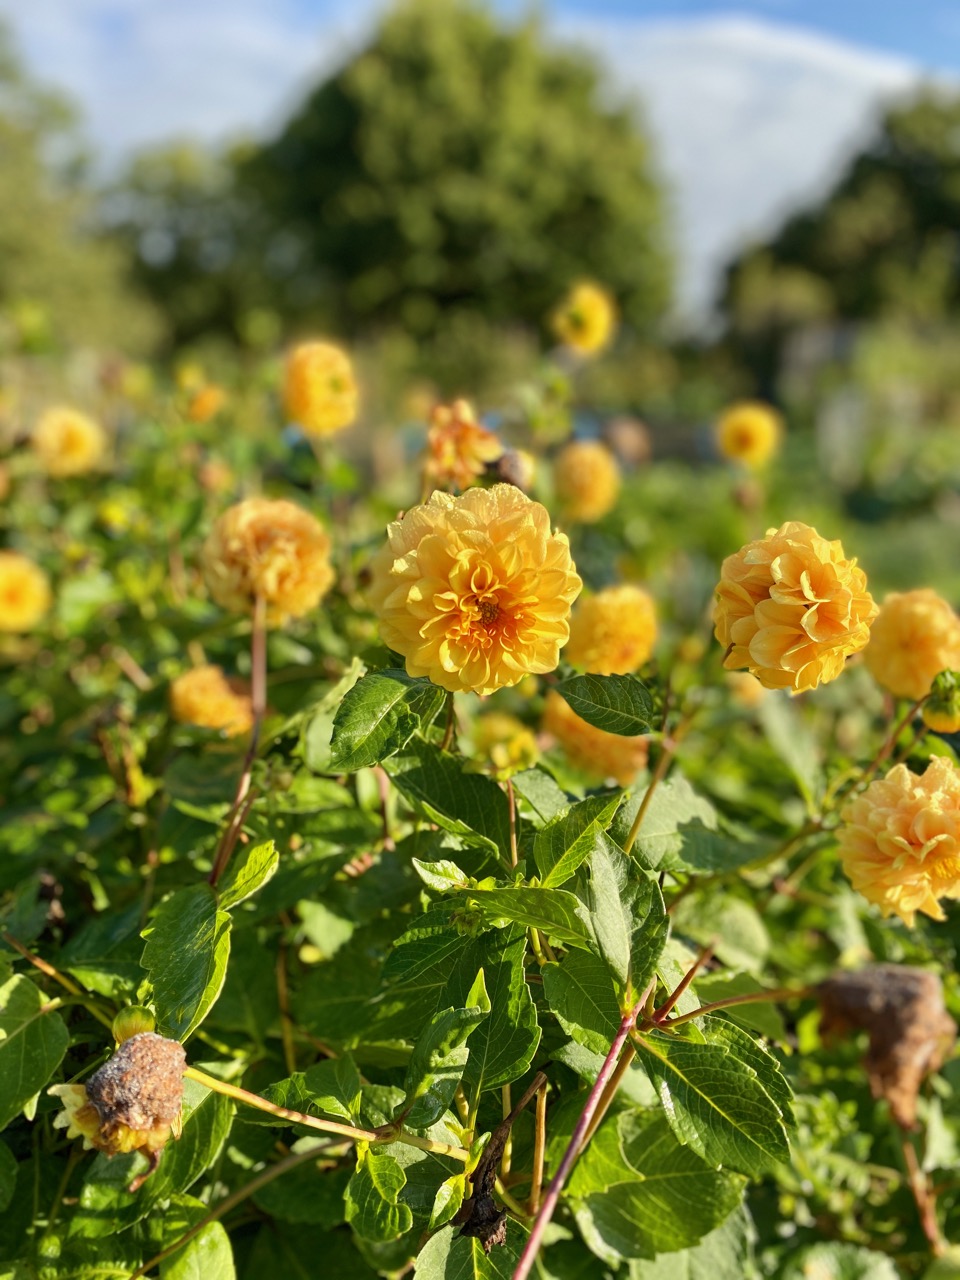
891 740
67 983
749 997
448 731
924 1196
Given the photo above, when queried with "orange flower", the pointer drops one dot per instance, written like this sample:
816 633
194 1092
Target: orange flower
475 591
916 635
586 320
205 697
790 608
599 754
68 443
271 549
587 480
319 389
749 432
458 447
612 632
25 594
900 840
206 403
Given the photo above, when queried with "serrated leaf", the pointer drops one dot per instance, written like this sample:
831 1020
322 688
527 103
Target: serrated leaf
616 704
379 715
328 1088
442 876
372 1197
628 918
439 1057
450 1196
681 832
557 912
185 956
725 1254
540 795
450 1256
317 725
757 1057
567 840
33 1040
579 990
247 873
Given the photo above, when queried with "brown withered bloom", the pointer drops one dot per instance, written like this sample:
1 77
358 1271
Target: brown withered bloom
910 1032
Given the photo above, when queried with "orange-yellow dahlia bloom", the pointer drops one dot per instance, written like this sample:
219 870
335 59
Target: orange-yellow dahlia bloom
458 447
899 841
916 635
319 389
271 549
25 594
475 591
586 478
68 443
790 608
597 753
586 320
206 403
206 697
612 632
749 432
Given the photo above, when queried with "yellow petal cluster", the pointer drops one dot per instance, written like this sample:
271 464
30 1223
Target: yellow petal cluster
206 697
612 632
599 754
68 443
586 479
915 636
319 388
458 447
749 432
790 608
206 403
506 742
586 320
900 840
272 549
25 594
475 590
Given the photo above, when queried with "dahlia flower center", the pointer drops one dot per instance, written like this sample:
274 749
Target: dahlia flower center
489 613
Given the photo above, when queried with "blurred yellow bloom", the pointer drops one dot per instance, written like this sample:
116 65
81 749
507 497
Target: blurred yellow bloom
25 594
612 632
899 841
271 549
599 754
505 741
587 480
916 635
206 403
745 688
790 608
458 447
586 319
749 432
206 697
475 591
68 443
319 389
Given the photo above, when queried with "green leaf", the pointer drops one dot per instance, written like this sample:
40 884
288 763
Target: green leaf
763 1017
557 912
450 1256
208 1256
329 1088
579 990
308 1193
442 876
104 954
450 1196
734 927
792 741
317 725
725 1254
379 715
372 1197
247 873
186 954
749 1051
33 1039
680 832
628 918
568 839
439 1057
8 1176
616 704
540 797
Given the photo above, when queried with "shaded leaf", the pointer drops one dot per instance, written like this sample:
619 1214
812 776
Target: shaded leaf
628 918
329 1088
616 704
379 715
681 832
439 1057
186 954
33 1040
372 1197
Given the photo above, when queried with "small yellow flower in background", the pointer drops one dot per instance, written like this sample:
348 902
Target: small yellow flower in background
206 697
25 594
206 403
271 549
899 841
475 591
749 432
189 376
790 608
506 742
599 754
612 632
319 389
458 447
586 320
745 689
941 711
915 636
67 442
586 478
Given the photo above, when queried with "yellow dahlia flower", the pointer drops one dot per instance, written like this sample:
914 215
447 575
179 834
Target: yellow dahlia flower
597 753
586 319
206 403
271 549
790 608
749 432
505 741
458 447
25 594
900 840
68 443
475 591
916 635
319 389
587 480
205 697
612 632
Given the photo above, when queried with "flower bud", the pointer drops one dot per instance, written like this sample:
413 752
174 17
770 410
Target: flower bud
941 711
131 1022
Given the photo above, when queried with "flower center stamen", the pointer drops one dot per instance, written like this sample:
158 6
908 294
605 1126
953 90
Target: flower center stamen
489 613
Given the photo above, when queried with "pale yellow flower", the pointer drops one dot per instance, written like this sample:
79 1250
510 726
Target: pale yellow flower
749 432
790 608
206 697
271 549
915 636
68 443
319 389
458 447
612 632
25 594
586 320
505 741
597 753
475 591
900 840
587 480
